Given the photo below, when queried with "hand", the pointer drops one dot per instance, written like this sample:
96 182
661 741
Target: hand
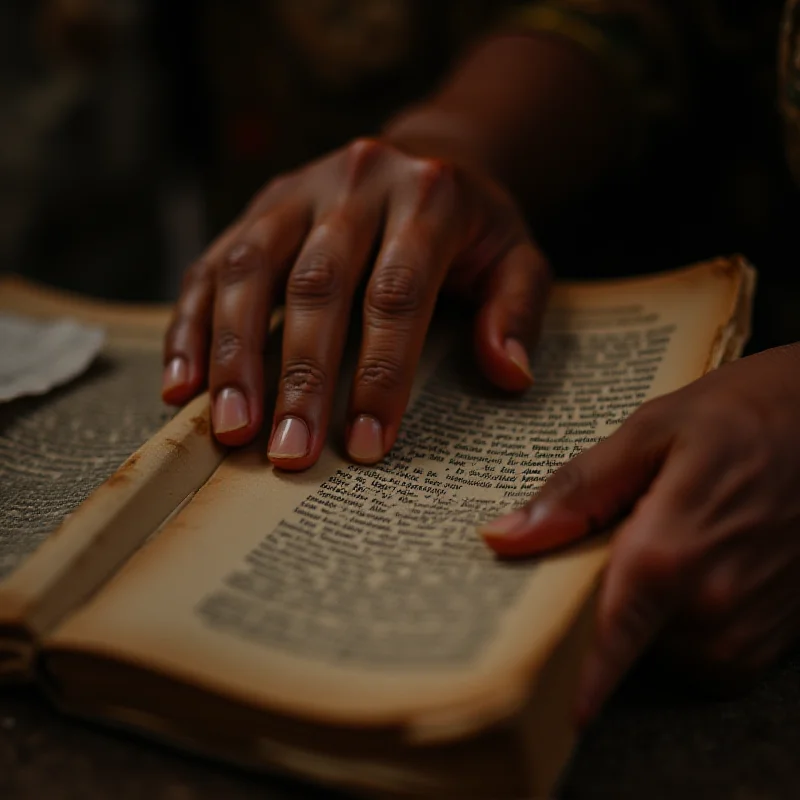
308 239
707 560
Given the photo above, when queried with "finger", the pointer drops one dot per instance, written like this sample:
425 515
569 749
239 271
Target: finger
745 577
657 554
247 281
419 246
319 296
628 621
642 589
508 323
750 622
186 341
589 492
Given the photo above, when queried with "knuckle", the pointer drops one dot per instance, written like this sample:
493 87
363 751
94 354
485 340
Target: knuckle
382 374
228 346
314 280
752 422
396 291
360 157
744 434
435 174
746 421
436 182
363 148
242 261
303 377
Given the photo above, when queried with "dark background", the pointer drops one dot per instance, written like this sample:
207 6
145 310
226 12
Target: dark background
131 131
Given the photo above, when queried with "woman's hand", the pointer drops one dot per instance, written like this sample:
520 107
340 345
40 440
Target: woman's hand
707 560
308 240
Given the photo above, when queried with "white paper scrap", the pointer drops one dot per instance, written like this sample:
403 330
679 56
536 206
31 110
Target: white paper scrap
38 355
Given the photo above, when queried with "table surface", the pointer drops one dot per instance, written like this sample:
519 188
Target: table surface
647 745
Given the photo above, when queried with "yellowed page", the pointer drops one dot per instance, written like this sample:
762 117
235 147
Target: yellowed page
123 321
56 449
362 596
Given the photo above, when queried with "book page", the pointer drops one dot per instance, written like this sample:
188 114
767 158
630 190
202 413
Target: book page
363 595
55 450
89 471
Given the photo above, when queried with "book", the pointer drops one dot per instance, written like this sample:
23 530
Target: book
345 624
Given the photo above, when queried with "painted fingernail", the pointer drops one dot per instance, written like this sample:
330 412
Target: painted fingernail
290 440
230 411
519 357
176 374
507 525
366 440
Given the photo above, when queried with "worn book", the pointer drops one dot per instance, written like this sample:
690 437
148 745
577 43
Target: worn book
345 624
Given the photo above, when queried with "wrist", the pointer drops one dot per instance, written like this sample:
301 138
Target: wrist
432 132
532 112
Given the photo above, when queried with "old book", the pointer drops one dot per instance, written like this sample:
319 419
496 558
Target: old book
345 624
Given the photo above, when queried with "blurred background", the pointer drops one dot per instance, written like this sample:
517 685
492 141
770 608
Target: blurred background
131 131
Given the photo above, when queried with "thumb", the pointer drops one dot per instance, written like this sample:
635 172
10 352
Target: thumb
588 493
508 322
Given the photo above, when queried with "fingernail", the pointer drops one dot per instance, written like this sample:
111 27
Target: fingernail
176 374
290 439
507 525
230 411
366 440
519 357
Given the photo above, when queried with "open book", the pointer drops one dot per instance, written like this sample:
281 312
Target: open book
345 624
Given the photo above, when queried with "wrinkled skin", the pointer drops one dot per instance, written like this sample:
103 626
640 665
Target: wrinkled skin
706 560
310 239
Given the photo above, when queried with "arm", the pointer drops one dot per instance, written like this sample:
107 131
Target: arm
554 102
535 111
